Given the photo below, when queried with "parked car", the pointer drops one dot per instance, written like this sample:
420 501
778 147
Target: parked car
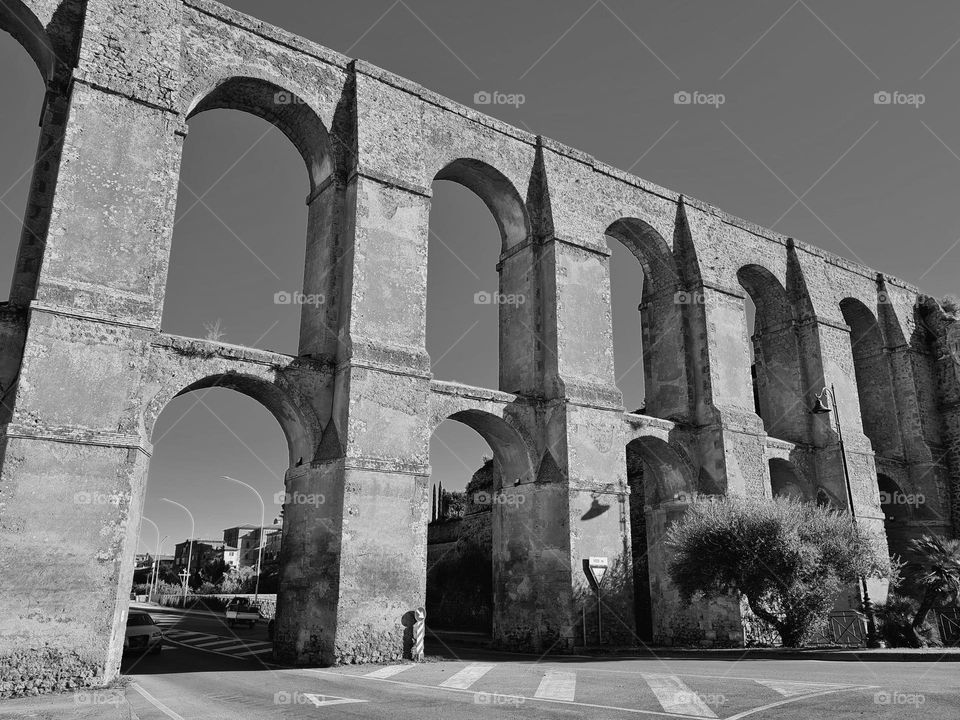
142 634
240 610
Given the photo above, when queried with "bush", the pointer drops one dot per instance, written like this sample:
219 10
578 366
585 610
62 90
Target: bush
789 559
895 623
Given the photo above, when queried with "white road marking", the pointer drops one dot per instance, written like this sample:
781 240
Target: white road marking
787 701
467 677
557 685
675 697
388 671
790 689
261 651
212 643
156 703
322 700
239 646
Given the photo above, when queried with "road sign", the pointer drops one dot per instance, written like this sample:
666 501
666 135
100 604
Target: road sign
598 568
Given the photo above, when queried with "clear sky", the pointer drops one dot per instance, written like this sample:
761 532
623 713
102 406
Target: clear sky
798 145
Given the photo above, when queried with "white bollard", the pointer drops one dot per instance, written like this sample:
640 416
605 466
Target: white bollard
419 630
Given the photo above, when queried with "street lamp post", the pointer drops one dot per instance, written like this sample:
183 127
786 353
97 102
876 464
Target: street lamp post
190 552
154 576
827 401
256 591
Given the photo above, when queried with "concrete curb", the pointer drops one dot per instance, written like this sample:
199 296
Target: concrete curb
952 654
836 655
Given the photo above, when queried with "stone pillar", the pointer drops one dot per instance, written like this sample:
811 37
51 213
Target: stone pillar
72 455
731 436
361 571
833 340
585 437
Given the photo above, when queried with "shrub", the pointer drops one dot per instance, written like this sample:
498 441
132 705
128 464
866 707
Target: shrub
789 559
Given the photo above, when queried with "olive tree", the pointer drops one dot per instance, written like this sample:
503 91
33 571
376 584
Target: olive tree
789 559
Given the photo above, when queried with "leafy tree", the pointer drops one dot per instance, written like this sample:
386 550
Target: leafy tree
239 580
935 572
790 559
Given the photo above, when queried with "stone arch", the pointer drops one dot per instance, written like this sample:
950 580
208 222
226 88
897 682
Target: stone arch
516 318
661 485
26 28
290 109
786 480
666 385
875 390
650 249
270 98
511 452
298 425
779 379
897 515
475 550
497 193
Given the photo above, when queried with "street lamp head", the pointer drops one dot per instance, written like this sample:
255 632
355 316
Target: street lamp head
822 404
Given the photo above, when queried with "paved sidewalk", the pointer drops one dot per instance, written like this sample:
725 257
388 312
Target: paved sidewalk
110 704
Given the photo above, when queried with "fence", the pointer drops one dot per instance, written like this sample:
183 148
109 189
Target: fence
267 604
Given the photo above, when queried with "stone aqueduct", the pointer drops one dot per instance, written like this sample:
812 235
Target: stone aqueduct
85 369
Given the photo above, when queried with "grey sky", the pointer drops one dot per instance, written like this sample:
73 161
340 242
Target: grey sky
877 182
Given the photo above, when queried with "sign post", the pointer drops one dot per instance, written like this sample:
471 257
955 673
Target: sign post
596 568
419 616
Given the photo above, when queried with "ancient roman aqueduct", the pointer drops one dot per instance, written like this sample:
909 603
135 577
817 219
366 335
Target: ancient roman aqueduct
85 369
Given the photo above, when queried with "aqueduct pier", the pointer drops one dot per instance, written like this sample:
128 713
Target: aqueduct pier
85 369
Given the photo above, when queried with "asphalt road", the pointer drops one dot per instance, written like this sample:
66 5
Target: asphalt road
210 671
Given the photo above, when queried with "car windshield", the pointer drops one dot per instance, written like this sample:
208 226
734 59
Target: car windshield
136 619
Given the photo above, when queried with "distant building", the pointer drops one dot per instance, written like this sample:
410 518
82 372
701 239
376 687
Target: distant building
250 545
233 536
204 551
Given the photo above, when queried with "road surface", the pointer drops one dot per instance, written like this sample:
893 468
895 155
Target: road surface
210 671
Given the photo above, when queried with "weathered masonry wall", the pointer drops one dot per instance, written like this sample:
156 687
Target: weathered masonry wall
85 369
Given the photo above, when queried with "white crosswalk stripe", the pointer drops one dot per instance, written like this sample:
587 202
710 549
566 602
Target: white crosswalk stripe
675 697
389 671
238 647
261 651
557 685
467 677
